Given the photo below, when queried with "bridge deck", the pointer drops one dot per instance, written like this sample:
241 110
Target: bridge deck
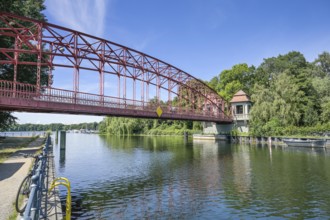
51 100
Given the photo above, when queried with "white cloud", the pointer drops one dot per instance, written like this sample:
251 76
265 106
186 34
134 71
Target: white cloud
82 15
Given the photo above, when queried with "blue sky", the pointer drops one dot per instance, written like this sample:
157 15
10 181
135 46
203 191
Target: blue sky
201 37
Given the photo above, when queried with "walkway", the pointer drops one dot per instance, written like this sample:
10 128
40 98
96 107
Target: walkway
12 172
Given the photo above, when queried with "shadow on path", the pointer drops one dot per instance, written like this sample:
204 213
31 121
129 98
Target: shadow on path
9 169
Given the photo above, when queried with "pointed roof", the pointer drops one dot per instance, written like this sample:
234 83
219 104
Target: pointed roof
240 96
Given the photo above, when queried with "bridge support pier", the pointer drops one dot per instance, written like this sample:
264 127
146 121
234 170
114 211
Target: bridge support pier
215 128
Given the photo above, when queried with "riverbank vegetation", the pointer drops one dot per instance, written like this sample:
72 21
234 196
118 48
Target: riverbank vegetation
53 127
10 145
129 126
290 95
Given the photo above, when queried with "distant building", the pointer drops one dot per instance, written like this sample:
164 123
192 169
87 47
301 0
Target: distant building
240 110
240 105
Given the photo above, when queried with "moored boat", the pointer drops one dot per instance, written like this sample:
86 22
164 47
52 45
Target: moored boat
304 143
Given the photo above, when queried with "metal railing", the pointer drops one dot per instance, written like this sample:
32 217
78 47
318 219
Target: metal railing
38 193
29 92
241 116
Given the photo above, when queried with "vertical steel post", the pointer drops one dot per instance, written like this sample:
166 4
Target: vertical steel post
124 85
15 66
169 84
39 49
124 82
76 68
142 88
50 66
157 89
158 84
147 92
179 98
142 80
101 71
134 88
118 93
134 85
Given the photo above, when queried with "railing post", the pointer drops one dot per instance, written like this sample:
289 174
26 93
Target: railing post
15 66
39 50
29 211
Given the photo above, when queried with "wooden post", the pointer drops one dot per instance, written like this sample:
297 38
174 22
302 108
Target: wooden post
62 140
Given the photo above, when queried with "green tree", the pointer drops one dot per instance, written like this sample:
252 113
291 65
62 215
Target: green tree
213 82
32 9
323 61
239 77
325 115
274 66
6 121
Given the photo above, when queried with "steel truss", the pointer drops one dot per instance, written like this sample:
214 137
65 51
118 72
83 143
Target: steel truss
54 46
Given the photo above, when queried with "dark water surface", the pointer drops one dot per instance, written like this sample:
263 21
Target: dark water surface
170 178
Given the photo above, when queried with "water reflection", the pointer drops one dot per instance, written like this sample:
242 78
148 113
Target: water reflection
62 158
173 178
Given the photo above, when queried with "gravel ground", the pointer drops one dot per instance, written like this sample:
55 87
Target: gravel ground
12 172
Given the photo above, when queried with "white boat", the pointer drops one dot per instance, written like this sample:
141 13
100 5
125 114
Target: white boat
305 143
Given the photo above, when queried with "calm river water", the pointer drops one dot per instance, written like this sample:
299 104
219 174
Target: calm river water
173 178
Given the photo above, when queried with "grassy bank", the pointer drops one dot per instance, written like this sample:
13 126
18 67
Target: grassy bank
10 145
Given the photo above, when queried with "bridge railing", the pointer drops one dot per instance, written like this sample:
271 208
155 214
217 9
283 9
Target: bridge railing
36 207
10 89
17 90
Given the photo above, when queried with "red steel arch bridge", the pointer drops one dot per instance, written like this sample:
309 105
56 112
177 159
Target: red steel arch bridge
141 85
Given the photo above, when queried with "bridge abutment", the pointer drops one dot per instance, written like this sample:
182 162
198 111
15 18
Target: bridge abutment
215 128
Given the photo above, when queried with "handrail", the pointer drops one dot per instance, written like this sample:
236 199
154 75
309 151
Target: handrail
48 94
33 208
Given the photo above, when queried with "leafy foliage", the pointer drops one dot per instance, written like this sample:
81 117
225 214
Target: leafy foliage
27 74
233 80
288 93
6 120
129 126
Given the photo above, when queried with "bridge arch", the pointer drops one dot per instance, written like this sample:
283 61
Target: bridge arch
177 93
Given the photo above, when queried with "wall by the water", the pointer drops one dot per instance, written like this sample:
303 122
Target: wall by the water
214 128
244 139
263 140
242 126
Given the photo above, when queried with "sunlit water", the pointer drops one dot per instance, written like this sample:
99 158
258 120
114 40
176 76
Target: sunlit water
173 178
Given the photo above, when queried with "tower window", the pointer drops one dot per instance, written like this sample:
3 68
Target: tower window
239 109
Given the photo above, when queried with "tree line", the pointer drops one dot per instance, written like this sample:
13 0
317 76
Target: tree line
128 126
289 95
54 127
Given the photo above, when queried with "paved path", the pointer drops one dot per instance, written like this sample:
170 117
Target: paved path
12 172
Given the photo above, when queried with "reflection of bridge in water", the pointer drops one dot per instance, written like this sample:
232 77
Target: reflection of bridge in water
48 49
